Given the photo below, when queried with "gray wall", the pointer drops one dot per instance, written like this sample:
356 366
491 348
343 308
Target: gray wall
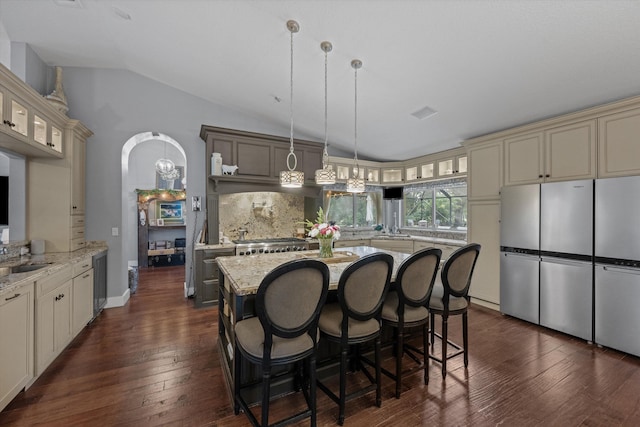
27 65
117 105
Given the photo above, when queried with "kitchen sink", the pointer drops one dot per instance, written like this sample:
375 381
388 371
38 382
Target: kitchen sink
24 268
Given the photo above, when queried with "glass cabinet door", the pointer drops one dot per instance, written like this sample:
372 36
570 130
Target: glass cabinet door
39 130
426 171
56 139
373 175
411 173
19 118
445 167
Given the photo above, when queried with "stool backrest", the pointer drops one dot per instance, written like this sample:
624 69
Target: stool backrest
416 276
290 298
363 286
458 269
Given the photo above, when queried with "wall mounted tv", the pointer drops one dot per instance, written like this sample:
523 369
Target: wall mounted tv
392 193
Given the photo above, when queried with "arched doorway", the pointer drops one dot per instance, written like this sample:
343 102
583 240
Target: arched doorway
138 158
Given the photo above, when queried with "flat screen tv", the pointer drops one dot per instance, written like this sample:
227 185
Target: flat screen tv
4 200
392 193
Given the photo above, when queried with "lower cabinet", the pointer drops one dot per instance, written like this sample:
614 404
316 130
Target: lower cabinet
350 243
484 228
447 250
53 316
16 338
207 280
405 246
82 294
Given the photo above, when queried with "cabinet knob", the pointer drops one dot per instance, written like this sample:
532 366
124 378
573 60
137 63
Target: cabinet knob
547 176
539 176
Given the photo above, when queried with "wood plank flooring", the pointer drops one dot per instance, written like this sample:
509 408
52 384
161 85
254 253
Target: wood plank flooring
155 362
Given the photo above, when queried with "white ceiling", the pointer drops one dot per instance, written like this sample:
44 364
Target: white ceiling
483 65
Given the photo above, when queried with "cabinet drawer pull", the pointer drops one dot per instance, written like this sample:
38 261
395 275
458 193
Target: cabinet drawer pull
85 276
13 297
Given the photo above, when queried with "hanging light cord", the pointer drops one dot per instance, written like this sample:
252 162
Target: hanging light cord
356 169
325 155
291 153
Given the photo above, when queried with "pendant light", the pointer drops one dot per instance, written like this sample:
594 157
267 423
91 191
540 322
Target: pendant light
164 165
291 178
326 175
355 184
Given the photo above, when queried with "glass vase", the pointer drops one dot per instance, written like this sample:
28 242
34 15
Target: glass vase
326 248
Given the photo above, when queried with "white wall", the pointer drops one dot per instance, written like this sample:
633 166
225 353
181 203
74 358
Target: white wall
117 105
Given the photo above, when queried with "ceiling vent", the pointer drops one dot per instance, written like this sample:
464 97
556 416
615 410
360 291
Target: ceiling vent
424 113
69 3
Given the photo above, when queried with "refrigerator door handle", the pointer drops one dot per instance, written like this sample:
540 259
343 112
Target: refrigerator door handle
632 271
563 261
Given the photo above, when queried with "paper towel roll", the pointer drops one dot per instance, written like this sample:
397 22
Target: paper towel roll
5 236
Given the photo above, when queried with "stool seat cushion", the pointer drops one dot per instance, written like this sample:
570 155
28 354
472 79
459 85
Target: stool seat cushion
411 314
455 303
250 336
331 323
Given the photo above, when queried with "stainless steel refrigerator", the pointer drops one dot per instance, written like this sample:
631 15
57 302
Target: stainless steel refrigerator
566 257
546 263
520 251
617 263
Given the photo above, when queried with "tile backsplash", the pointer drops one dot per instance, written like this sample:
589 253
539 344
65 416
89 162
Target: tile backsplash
262 214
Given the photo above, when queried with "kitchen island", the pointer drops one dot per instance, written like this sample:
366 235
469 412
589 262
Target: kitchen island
240 278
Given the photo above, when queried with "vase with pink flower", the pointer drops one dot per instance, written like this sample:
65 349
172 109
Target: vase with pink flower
325 231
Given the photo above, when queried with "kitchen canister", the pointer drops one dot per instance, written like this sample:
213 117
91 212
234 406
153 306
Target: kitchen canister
216 164
37 246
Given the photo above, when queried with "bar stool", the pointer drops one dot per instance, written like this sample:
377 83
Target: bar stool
450 297
355 319
406 307
287 304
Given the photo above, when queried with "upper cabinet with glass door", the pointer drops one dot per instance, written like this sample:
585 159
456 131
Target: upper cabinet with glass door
452 166
30 126
421 171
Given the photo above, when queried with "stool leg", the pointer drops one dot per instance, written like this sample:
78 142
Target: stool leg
465 338
432 321
378 371
343 384
445 327
399 354
312 388
266 378
425 350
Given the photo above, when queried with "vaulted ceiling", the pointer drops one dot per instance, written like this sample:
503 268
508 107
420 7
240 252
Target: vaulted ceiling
483 65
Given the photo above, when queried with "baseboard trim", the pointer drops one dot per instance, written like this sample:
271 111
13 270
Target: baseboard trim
487 304
118 301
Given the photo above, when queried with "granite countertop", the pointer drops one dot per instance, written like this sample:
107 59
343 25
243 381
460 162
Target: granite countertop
56 261
219 246
401 236
245 281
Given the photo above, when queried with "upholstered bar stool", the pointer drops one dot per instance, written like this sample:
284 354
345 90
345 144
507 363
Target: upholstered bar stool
450 297
285 331
406 307
355 319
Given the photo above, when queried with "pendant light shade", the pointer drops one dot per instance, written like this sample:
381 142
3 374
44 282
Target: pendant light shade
326 175
355 184
291 178
165 166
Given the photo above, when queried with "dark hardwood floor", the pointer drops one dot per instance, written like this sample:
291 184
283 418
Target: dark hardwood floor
155 362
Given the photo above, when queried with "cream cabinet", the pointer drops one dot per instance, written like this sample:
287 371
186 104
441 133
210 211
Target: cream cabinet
53 316
447 250
619 144
82 291
452 166
351 243
16 341
485 170
28 121
58 216
372 175
557 154
421 171
392 175
484 228
397 245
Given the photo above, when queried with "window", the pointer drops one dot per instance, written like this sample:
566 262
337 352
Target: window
438 206
353 209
